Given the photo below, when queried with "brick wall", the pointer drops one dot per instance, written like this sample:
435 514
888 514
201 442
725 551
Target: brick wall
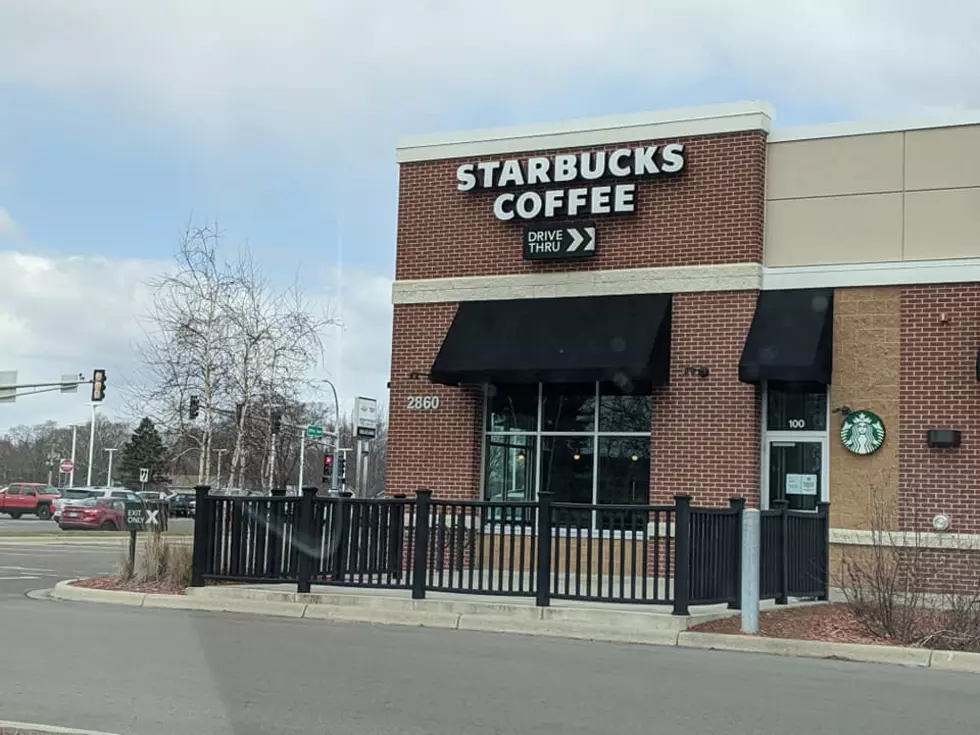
939 390
439 450
706 431
710 213
866 376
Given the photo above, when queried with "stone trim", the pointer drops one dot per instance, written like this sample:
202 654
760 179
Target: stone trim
907 539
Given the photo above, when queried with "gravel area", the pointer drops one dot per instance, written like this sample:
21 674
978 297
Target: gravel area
823 622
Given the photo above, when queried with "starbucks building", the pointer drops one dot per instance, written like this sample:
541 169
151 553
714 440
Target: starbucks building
695 301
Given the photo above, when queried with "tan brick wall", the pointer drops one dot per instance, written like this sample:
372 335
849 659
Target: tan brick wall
866 376
710 213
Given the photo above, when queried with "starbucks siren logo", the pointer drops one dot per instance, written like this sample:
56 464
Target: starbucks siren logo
862 432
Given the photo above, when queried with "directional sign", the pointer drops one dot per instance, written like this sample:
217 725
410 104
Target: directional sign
66 466
559 242
144 474
314 432
135 516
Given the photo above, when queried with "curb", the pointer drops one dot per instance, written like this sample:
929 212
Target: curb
528 621
32 728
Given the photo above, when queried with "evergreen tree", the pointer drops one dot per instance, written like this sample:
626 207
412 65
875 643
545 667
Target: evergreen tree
144 449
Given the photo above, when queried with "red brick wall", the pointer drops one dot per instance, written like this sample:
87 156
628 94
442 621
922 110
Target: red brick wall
710 213
706 431
939 390
438 450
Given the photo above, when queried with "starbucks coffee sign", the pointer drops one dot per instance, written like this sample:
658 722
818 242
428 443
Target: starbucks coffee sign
862 432
588 199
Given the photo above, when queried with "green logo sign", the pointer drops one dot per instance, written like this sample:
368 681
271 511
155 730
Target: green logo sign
862 432
314 432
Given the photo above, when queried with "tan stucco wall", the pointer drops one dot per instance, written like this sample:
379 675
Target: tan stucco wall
866 372
883 197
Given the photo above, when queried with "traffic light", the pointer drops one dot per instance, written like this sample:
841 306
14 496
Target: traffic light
276 423
98 385
342 469
194 408
327 467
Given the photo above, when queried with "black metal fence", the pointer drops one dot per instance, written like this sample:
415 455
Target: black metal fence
794 558
676 555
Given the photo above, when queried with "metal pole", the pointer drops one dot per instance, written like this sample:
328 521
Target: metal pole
108 478
74 441
91 447
302 461
217 480
751 545
336 446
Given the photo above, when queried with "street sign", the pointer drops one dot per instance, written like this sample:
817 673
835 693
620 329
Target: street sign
66 466
69 383
314 432
144 474
559 242
366 411
135 516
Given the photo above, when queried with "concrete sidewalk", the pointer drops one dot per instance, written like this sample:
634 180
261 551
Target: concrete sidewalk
564 619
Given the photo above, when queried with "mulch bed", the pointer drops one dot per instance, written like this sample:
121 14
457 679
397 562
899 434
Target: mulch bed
112 582
826 622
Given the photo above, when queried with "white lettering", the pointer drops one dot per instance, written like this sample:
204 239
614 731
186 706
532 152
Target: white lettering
616 168
465 176
600 199
576 200
537 170
673 158
587 171
553 199
511 174
624 199
565 168
529 205
643 162
499 210
487 168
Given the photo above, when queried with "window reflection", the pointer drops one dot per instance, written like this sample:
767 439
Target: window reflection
566 468
510 468
796 408
512 407
625 412
568 407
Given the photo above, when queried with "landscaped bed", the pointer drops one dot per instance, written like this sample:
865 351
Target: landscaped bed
820 622
117 583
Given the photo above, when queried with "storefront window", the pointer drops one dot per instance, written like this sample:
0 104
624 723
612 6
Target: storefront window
796 408
558 455
795 473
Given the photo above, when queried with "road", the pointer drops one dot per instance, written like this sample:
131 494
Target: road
30 524
156 672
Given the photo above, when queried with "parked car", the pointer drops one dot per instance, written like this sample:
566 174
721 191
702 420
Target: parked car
28 498
105 514
74 495
182 505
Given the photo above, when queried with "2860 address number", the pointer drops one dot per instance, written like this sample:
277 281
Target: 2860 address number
423 403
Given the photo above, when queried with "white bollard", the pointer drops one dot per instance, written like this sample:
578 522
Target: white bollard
751 545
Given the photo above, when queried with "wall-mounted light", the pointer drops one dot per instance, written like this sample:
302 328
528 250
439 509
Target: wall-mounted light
842 410
700 371
418 375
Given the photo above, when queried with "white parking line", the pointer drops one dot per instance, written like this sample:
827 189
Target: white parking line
12 579
26 569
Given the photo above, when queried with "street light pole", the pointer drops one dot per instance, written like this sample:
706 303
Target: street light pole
217 480
74 441
336 445
108 479
91 447
302 461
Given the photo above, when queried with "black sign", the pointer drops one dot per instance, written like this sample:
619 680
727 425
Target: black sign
135 516
554 242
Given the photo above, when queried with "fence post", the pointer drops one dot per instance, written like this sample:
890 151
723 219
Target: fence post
396 537
341 537
682 554
420 565
303 538
782 556
823 512
737 504
543 597
202 527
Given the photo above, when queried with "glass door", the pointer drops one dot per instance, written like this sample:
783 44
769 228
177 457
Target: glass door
795 472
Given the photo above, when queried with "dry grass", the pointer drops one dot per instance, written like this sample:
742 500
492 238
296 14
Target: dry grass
159 561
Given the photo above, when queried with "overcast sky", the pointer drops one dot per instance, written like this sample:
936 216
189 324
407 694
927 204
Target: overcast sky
120 120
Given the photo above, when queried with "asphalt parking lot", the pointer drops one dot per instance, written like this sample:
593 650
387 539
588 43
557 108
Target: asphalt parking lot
33 525
29 566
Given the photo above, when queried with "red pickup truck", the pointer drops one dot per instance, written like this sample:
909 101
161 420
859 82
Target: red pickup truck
33 498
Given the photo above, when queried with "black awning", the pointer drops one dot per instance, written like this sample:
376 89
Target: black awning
622 339
791 338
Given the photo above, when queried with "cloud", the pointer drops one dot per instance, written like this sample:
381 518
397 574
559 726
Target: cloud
9 229
228 69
